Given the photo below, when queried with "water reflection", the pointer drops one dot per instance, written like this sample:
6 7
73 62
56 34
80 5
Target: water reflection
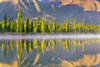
29 52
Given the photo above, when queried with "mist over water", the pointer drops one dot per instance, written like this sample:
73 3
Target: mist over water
49 36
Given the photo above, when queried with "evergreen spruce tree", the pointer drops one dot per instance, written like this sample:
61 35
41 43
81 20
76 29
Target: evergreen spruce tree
12 26
35 28
60 28
18 23
5 22
3 26
8 25
19 19
83 25
42 26
54 25
5 18
46 27
38 24
57 27
91 27
38 20
67 26
31 26
50 28
26 25
21 26
64 26
74 27
79 27
0 26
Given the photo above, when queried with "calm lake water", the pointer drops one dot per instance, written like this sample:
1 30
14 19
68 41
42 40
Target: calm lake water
50 53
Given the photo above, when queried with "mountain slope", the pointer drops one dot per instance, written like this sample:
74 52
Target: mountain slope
30 8
61 10
88 5
14 2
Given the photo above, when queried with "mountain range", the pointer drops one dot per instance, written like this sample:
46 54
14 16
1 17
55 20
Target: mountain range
58 9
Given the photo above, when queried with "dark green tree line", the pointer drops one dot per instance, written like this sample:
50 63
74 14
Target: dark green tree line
44 26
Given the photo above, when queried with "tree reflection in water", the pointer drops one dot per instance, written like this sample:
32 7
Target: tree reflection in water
43 45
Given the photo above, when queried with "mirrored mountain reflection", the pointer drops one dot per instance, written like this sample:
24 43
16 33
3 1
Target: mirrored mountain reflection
50 53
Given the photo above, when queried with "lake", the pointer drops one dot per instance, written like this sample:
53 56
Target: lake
69 52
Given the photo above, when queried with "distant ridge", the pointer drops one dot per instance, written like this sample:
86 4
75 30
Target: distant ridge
88 5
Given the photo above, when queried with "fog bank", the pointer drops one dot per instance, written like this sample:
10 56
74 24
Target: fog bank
49 36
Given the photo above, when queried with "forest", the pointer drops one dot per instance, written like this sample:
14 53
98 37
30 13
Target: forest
43 26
